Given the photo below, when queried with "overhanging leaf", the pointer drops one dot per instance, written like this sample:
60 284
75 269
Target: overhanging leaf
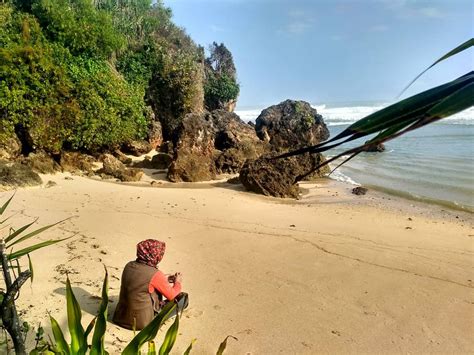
5 205
469 43
30 249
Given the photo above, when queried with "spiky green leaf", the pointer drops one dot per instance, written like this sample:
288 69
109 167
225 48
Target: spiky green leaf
97 346
468 44
223 345
30 249
190 347
5 205
29 235
61 345
149 332
170 337
74 316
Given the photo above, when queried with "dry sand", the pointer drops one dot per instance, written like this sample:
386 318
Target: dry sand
330 273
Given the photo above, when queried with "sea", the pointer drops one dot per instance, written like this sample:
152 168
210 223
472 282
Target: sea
434 164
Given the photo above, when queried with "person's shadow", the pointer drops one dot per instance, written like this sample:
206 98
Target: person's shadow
90 303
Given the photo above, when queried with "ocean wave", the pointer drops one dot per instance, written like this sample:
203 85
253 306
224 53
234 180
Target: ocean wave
336 116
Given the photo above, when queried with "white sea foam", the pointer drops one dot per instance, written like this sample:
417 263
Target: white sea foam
337 175
334 116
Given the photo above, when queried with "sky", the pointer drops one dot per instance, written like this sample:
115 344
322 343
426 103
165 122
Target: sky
331 51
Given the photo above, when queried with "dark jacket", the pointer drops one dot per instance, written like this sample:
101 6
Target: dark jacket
137 306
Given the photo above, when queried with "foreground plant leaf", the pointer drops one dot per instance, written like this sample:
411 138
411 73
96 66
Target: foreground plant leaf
5 205
29 235
97 346
223 345
28 250
468 44
74 317
149 332
190 347
61 345
170 337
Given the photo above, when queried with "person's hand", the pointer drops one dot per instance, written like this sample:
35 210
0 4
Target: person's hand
178 277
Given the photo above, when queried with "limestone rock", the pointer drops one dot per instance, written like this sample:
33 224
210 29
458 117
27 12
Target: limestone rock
75 162
291 124
378 148
236 140
193 158
137 148
359 190
10 148
114 167
42 163
277 177
13 175
155 134
159 161
122 157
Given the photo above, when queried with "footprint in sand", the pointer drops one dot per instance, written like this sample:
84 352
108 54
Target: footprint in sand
193 313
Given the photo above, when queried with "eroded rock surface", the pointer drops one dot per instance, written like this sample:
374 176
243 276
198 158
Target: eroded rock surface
114 167
291 124
14 174
193 142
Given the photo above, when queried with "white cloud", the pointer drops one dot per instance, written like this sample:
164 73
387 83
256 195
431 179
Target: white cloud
298 22
406 9
430 12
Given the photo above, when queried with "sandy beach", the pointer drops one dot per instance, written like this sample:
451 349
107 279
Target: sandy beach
329 273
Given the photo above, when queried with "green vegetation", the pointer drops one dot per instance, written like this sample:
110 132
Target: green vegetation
83 74
220 87
9 262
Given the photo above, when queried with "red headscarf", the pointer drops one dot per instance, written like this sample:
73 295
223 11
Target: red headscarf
150 252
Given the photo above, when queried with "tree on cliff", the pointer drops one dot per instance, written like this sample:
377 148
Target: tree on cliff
220 87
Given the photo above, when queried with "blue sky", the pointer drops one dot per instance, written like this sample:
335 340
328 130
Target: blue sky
332 51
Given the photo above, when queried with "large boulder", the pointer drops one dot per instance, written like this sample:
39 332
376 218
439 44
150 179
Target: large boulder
159 161
114 167
10 148
193 142
77 163
13 175
137 148
278 177
236 141
291 124
42 163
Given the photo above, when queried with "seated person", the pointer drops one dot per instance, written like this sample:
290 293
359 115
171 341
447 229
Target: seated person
143 287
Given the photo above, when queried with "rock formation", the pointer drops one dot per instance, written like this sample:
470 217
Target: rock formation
277 177
10 148
286 126
235 140
42 163
114 167
193 142
291 124
14 174
137 148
